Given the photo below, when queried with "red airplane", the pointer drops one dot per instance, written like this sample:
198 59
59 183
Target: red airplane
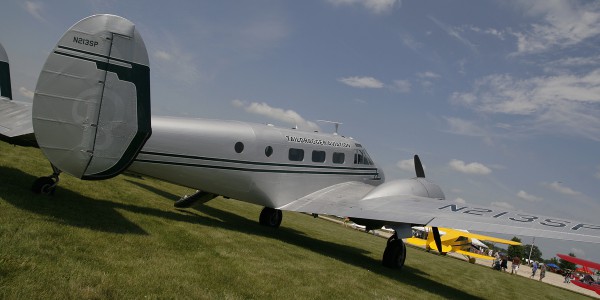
587 282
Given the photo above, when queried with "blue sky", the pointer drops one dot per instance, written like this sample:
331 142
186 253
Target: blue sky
501 99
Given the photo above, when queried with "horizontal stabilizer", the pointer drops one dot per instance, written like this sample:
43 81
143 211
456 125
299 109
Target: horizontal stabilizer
15 118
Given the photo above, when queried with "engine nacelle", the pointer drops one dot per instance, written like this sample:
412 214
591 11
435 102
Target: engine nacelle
416 186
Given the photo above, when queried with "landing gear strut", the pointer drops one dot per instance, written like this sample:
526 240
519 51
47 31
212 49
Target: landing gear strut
270 217
46 185
395 253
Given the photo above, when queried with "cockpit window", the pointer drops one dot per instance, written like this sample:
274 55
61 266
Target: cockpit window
362 158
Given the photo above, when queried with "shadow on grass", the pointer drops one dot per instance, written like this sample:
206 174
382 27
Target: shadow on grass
69 207
348 254
154 190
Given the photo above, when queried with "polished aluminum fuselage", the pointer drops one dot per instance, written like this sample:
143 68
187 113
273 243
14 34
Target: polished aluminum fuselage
231 158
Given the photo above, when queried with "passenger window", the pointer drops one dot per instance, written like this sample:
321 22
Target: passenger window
296 154
318 156
338 158
268 151
239 147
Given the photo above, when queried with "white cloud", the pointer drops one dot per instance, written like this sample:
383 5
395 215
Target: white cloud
362 82
489 31
471 168
454 33
163 55
406 165
402 86
460 200
597 175
528 197
287 116
428 75
174 60
563 24
35 9
559 187
410 42
375 6
503 205
565 103
26 93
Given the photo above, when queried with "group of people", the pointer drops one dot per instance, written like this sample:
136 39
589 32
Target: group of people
501 263
535 266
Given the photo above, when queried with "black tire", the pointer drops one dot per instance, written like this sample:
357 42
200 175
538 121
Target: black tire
394 254
43 185
270 217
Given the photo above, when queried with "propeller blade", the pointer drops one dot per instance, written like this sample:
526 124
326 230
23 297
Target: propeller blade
419 168
437 238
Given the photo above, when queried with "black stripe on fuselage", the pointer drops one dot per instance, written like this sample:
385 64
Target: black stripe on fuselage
289 171
254 162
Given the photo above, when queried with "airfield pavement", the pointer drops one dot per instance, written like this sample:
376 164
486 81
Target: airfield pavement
524 270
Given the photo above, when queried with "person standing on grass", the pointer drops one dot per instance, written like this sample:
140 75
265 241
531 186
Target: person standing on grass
534 269
542 271
515 265
504 263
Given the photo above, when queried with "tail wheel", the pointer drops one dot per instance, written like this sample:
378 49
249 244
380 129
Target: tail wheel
270 217
44 185
394 254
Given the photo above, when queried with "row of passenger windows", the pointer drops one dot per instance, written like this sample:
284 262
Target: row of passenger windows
360 156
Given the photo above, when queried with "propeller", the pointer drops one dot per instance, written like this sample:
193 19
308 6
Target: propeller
419 167
437 239
436 233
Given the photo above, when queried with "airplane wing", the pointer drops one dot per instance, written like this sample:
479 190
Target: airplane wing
475 255
579 261
480 237
348 199
594 287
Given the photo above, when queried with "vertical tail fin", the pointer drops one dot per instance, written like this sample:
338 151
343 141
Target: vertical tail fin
5 88
91 109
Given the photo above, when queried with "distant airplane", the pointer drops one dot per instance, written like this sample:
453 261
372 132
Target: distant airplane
454 240
91 119
587 282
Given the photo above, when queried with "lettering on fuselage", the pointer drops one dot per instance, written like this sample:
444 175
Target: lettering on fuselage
517 217
311 141
85 42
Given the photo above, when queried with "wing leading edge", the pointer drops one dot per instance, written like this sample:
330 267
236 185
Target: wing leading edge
346 199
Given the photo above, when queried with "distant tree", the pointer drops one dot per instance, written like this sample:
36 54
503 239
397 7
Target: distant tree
551 261
563 264
536 254
515 250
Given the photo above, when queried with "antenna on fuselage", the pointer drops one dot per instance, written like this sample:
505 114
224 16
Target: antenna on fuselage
336 124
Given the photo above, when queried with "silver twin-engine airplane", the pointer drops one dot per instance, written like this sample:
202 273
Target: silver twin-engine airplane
91 118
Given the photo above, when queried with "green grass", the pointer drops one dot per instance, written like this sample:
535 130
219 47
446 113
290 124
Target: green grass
122 238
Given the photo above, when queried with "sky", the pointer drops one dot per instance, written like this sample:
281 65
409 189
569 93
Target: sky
500 99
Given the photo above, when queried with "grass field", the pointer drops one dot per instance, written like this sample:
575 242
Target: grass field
122 238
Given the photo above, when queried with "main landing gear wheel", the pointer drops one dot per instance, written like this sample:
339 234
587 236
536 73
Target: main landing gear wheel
44 185
47 185
270 217
395 253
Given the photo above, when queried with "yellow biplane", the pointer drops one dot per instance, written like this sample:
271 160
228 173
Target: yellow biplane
453 240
